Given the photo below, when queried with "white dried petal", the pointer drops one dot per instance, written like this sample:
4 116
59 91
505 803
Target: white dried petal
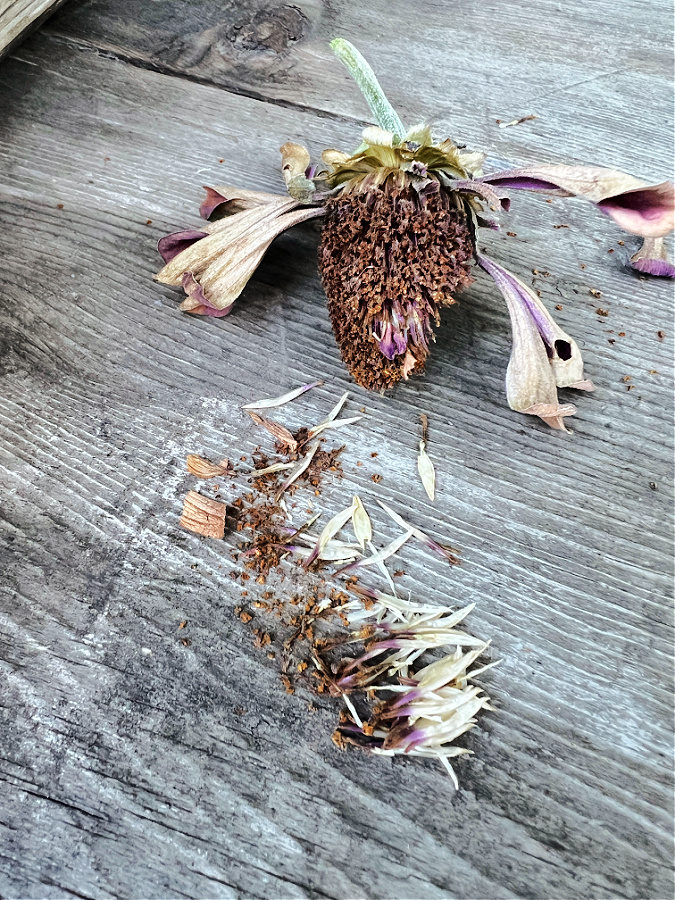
363 529
284 398
419 534
427 472
336 423
385 553
304 465
330 529
269 470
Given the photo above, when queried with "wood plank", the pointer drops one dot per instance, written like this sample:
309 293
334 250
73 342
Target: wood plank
19 17
129 773
597 75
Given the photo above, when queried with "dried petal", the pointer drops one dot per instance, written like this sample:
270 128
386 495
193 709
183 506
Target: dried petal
172 244
638 207
445 550
427 472
219 266
543 357
203 515
383 554
203 468
335 423
363 530
283 399
304 465
652 258
277 430
330 529
236 198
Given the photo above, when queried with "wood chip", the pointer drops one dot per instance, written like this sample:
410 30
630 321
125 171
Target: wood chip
203 515
203 468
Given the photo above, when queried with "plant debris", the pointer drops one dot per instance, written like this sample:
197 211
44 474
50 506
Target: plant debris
369 648
425 467
285 398
203 468
515 121
203 515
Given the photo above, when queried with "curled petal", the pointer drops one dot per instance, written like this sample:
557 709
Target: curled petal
638 207
543 357
172 244
214 270
487 192
652 258
196 301
236 198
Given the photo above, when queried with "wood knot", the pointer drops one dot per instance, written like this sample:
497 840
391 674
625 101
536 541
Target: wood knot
273 28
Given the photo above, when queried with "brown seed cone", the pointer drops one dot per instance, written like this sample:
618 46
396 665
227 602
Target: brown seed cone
390 254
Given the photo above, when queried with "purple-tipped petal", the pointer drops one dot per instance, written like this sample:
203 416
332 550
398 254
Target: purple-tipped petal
213 200
172 244
653 259
648 211
638 207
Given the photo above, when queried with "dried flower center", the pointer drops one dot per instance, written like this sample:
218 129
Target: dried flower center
391 256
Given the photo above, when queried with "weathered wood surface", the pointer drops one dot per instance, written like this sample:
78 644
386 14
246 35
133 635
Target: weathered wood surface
128 773
19 17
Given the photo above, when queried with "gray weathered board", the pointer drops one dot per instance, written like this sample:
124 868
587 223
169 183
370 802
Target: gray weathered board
128 768
19 17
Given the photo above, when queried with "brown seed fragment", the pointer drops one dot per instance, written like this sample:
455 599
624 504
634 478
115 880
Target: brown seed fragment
559 306
512 234
561 226
602 312
660 335
376 478
594 293
283 435
203 515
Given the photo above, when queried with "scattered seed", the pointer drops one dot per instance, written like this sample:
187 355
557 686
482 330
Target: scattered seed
602 312
594 293
304 465
660 335
559 306
376 478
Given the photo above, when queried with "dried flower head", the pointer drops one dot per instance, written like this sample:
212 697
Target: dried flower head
401 214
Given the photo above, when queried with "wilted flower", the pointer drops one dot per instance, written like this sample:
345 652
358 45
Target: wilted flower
401 215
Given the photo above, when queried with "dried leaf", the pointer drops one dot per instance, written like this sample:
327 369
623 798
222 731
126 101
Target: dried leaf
330 529
285 398
203 515
427 472
277 430
304 465
203 468
363 530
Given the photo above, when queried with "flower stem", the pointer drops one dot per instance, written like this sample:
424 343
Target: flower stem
363 75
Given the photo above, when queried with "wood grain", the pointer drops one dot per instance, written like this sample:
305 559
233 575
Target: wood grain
134 766
19 17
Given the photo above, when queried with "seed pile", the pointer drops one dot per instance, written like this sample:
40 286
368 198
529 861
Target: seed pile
368 647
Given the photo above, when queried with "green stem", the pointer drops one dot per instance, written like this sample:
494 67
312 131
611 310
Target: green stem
363 75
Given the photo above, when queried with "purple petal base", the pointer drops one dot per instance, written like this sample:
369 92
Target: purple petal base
172 244
212 202
661 267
